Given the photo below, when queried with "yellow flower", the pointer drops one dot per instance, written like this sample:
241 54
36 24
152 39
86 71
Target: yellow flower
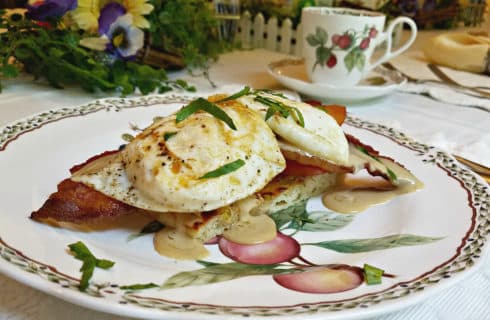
138 8
86 15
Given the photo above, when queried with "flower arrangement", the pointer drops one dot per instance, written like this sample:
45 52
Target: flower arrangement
106 44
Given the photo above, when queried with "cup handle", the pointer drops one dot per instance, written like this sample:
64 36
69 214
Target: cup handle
388 37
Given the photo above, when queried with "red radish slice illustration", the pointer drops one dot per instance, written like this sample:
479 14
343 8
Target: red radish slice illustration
282 248
325 279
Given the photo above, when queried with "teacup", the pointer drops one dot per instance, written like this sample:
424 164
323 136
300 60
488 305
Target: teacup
338 43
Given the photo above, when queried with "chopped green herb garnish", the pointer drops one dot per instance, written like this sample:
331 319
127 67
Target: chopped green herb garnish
271 92
168 135
227 168
134 127
237 95
204 105
372 275
139 286
151 227
127 137
281 108
90 262
391 175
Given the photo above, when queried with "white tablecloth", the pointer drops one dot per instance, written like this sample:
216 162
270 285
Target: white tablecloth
457 129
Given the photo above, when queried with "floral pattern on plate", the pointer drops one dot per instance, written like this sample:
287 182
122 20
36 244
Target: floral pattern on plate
59 276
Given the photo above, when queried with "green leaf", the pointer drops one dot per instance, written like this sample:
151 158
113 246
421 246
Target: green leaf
322 55
321 35
350 60
152 227
104 264
55 52
298 117
22 53
9 71
365 245
87 270
168 135
372 275
285 216
222 272
127 137
284 110
80 250
139 286
297 217
237 95
312 40
204 105
391 175
326 221
360 61
90 262
225 169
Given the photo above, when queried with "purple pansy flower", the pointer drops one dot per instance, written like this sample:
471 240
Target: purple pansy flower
124 39
48 9
108 15
408 7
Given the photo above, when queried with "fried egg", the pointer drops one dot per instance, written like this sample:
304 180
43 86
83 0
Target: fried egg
321 136
162 168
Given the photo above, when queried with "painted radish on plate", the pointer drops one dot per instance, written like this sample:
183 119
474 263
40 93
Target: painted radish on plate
280 249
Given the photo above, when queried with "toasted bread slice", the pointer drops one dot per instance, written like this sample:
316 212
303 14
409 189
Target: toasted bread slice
279 194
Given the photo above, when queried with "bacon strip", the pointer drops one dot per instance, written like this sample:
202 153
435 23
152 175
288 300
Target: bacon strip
77 203
373 153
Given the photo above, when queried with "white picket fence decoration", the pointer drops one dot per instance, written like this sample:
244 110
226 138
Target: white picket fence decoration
255 32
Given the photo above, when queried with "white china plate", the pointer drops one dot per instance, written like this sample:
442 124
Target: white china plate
36 153
292 74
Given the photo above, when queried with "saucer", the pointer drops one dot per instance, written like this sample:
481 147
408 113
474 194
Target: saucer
379 82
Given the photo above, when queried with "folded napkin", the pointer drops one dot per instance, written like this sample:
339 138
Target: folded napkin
442 83
417 67
462 51
449 95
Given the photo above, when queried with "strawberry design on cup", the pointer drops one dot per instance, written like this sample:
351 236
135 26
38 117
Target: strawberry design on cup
332 61
364 44
373 33
355 43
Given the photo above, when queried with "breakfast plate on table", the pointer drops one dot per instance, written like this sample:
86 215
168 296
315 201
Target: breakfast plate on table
424 241
291 73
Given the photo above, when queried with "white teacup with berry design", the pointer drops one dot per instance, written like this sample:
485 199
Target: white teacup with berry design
338 43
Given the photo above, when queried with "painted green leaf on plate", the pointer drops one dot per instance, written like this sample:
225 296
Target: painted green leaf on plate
324 221
213 273
365 245
283 217
298 218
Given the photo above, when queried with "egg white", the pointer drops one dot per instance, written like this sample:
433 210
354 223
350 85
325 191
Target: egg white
158 175
321 136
